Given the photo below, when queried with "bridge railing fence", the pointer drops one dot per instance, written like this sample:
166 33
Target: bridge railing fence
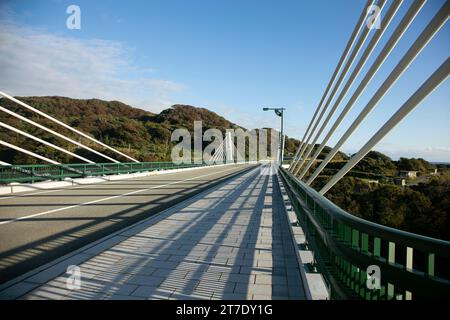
48 172
411 266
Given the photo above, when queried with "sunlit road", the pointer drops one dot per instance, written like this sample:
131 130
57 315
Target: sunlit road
38 227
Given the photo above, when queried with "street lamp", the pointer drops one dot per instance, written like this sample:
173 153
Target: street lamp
279 112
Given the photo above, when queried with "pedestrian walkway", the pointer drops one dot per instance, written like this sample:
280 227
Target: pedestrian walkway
231 242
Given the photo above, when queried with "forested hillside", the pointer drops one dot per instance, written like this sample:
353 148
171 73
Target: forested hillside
367 191
141 134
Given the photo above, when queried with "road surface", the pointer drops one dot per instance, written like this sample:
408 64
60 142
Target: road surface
38 227
232 241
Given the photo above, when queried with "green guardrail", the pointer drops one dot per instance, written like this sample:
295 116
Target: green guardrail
45 172
411 266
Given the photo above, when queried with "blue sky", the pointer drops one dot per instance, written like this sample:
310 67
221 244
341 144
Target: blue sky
232 57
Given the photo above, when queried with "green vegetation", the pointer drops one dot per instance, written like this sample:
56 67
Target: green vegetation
138 133
421 208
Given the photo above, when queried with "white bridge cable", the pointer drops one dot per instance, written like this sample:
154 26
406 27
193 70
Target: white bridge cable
437 78
56 133
362 61
216 154
421 42
404 24
225 151
362 39
229 148
221 153
344 56
9 145
65 125
4 125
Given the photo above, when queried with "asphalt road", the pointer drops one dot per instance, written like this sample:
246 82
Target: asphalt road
38 227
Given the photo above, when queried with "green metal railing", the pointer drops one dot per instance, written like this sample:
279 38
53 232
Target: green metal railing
44 172
412 266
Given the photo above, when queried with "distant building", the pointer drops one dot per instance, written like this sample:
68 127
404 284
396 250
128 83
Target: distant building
400 181
407 174
434 172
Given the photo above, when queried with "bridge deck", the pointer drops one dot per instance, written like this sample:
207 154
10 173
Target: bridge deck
40 226
230 242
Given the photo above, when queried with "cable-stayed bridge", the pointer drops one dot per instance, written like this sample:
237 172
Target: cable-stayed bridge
222 228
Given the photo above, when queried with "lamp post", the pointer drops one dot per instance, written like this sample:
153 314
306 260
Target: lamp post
279 112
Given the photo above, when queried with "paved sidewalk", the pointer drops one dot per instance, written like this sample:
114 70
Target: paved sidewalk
232 242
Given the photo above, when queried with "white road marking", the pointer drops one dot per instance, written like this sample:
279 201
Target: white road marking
105 199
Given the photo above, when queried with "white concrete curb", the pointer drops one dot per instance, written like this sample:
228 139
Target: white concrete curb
314 283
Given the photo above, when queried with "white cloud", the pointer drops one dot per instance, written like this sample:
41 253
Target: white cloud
39 63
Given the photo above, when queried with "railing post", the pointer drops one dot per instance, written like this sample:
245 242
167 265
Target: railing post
365 243
377 247
391 260
32 174
409 267
430 266
370 244
409 259
355 239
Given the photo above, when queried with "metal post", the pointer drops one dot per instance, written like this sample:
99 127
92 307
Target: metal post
279 112
282 140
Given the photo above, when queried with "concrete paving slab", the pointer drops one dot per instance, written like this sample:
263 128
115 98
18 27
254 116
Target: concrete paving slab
242 250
